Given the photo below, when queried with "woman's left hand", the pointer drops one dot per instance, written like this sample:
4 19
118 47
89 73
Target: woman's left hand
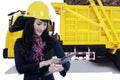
56 68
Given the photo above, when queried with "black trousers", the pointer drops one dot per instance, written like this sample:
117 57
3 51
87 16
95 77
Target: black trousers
49 77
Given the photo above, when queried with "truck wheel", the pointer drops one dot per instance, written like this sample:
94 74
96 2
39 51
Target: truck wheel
5 53
101 55
116 59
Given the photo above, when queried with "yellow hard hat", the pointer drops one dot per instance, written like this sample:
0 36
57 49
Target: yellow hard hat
38 10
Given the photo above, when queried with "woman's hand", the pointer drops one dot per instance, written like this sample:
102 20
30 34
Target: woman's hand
56 68
54 60
48 62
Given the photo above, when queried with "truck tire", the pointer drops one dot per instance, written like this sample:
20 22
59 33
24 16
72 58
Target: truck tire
116 59
102 55
5 53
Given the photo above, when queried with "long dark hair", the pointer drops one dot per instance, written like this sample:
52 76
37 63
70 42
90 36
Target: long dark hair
28 33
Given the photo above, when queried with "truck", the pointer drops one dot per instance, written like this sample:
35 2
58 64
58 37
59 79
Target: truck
91 31
92 28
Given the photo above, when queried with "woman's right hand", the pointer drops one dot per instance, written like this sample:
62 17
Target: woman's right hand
53 60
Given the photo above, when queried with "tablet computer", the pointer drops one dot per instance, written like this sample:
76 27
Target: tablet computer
66 58
63 60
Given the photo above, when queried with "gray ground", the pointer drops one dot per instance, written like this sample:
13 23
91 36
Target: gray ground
83 67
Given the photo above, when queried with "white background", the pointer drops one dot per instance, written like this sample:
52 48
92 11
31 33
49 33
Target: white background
79 69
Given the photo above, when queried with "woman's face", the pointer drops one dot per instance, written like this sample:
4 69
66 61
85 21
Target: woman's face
39 26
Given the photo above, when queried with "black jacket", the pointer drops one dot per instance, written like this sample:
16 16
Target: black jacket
30 68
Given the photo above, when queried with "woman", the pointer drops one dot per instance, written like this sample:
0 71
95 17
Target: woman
37 53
